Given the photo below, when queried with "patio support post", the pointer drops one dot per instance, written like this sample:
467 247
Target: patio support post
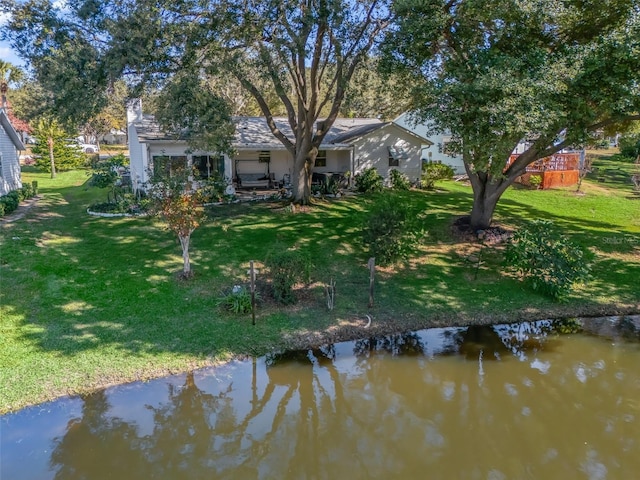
351 166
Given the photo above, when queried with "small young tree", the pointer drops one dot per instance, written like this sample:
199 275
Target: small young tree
584 169
635 178
178 202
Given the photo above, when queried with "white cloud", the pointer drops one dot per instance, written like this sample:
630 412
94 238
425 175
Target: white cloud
8 55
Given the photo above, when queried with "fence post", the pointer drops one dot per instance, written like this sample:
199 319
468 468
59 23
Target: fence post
252 274
372 271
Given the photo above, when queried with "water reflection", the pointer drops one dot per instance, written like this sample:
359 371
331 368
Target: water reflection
512 401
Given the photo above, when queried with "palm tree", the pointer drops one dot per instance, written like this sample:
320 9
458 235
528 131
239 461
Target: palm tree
9 74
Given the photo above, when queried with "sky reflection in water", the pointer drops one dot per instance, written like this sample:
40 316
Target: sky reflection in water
511 401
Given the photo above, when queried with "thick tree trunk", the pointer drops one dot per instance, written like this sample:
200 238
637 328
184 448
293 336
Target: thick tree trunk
486 194
302 175
482 212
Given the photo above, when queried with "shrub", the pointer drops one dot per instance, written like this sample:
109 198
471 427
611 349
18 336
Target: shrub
368 181
432 172
399 180
1 209
28 191
548 260
287 267
214 189
127 203
10 202
105 174
535 181
391 231
237 301
331 185
630 145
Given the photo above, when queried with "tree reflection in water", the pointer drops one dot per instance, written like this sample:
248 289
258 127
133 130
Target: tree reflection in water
390 410
99 440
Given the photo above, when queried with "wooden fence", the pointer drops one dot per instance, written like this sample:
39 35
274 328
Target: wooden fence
558 170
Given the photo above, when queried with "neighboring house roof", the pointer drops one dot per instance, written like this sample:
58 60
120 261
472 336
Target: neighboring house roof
254 132
18 124
11 132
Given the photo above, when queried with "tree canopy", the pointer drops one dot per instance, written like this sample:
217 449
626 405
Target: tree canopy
495 73
307 51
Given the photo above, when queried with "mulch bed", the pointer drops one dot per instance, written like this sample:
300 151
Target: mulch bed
463 233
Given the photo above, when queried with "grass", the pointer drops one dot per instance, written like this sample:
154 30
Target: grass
88 301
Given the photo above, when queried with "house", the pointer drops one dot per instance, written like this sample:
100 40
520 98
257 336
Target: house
437 149
115 136
10 146
558 170
23 129
260 160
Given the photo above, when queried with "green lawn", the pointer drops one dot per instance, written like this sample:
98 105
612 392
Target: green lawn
88 301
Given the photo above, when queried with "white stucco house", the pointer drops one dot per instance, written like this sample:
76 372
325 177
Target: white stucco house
436 150
10 147
260 160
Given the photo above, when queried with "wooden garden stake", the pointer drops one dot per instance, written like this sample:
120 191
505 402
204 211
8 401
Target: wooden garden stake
252 274
372 271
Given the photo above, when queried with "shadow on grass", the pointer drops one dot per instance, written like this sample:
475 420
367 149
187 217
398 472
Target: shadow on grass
84 283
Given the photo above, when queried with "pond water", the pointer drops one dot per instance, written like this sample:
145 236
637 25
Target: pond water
504 402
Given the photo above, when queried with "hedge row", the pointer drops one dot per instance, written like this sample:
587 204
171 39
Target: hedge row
10 201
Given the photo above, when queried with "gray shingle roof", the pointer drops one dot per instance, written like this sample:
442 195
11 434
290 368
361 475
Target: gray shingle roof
252 131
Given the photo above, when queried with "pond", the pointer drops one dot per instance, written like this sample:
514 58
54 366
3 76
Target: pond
529 400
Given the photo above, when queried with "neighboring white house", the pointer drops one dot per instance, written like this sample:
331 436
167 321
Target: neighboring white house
114 137
351 145
436 150
10 146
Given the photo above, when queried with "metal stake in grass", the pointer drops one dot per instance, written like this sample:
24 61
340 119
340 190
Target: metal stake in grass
372 271
330 292
252 274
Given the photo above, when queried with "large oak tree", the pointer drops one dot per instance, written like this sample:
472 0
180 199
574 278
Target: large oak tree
493 73
305 50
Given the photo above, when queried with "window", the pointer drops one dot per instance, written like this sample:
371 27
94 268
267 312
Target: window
321 158
1 174
264 156
393 160
395 155
209 165
169 165
447 148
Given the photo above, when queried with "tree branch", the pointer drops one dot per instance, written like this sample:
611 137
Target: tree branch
265 110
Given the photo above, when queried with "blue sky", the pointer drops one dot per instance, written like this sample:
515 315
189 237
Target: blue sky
6 53
9 55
